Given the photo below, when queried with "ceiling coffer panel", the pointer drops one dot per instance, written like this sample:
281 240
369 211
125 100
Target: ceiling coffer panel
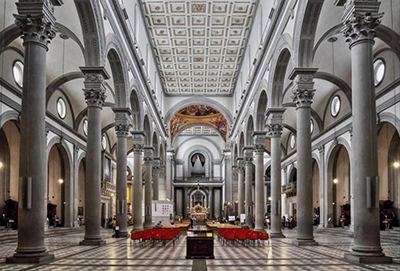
199 45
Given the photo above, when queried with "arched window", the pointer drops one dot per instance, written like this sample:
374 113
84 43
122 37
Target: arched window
18 72
335 106
292 141
104 142
61 108
379 71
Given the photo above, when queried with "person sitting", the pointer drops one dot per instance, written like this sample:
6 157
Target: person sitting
158 225
172 225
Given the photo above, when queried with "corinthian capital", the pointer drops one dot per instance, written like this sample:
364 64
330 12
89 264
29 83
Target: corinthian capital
138 141
274 130
95 90
259 141
121 121
122 129
303 84
36 20
360 20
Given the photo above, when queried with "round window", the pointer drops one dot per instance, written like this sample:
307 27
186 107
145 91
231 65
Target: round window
104 142
292 141
335 106
18 73
61 108
379 71
85 127
311 126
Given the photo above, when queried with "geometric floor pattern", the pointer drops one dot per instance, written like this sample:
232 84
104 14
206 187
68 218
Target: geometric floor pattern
279 254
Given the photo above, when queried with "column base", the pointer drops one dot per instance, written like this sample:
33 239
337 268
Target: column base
92 242
148 226
30 258
277 235
137 229
260 229
367 258
305 243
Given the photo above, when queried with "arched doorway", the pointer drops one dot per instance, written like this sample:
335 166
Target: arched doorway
315 179
339 179
81 191
9 171
59 187
389 171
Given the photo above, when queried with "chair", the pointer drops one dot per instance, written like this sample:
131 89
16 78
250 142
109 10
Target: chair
263 237
229 235
241 236
253 237
136 236
169 236
146 236
156 236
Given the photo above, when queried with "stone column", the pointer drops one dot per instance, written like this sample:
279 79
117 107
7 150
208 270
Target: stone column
259 145
122 131
137 185
36 22
241 187
323 218
169 174
284 196
303 93
248 153
228 176
156 178
148 178
360 20
274 131
95 96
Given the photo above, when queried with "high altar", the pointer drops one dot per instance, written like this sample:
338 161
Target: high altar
199 212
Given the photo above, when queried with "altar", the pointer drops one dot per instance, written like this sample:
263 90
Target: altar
198 212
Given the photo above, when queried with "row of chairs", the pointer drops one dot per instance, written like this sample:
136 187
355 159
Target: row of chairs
243 236
154 236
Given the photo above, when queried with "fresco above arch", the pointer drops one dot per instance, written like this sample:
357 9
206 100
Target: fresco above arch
198 114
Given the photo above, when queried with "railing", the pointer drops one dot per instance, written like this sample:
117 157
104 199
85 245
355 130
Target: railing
198 180
107 189
290 189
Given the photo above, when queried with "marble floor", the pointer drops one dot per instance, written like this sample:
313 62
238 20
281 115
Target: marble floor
280 254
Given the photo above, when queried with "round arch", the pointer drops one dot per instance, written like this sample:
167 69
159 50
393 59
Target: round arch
339 182
118 69
199 100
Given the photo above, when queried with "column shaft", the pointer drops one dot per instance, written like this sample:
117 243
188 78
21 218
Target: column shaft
122 131
137 189
249 188
93 179
276 188
148 218
241 188
304 176
259 185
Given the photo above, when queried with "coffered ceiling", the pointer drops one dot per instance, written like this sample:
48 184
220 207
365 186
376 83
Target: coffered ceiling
199 45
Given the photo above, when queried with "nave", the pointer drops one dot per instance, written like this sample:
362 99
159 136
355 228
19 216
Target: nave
279 254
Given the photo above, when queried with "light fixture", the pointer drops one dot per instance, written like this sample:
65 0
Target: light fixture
335 181
284 194
1 165
395 164
269 198
112 194
60 181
